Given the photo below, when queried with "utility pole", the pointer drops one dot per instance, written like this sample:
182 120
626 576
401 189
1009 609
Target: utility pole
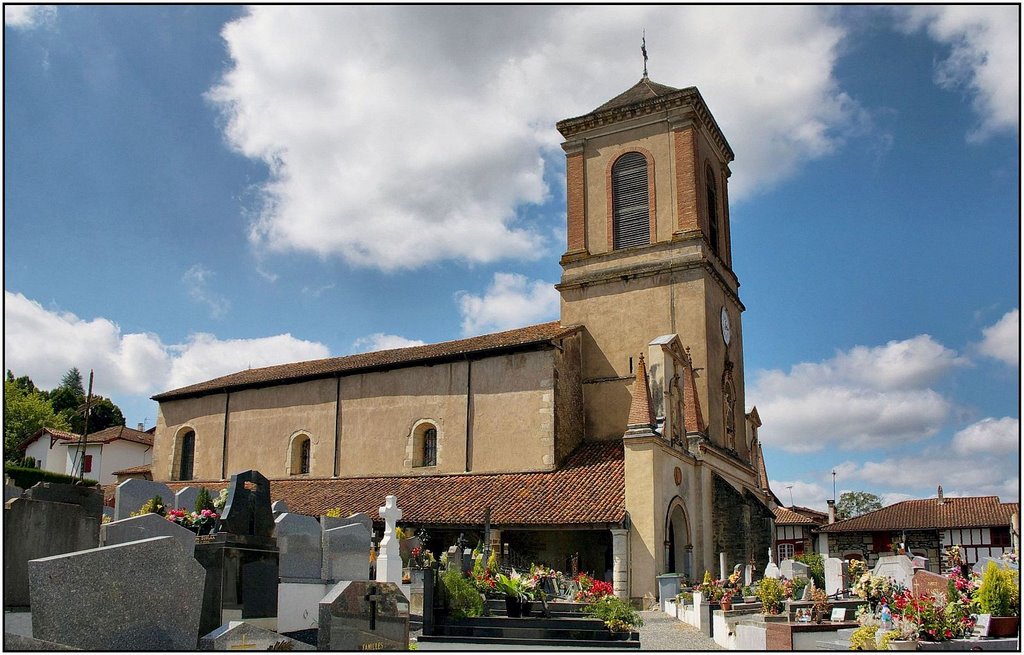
85 410
833 485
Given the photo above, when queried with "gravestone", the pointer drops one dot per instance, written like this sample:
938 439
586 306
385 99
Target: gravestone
467 561
836 575
239 635
982 563
35 527
389 559
133 493
347 553
455 558
299 546
279 507
241 558
926 583
897 567
748 574
792 569
11 491
364 615
186 498
329 522
142 595
808 591
146 526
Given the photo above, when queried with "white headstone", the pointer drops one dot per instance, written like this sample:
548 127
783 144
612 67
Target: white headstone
897 567
721 566
748 574
389 558
836 573
792 569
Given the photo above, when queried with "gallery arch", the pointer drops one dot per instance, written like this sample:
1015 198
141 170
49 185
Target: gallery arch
678 546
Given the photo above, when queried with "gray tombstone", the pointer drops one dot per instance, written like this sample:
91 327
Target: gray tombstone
299 543
11 491
467 560
364 615
239 635
146 526
346 553
89 499
897 567
361 518
186 498
748 575
982 563
455 558
132 494
159 584
792 569
836 575
808 591
279 507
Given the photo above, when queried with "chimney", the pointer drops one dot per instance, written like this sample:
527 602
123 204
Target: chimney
831 511
941 501
142 427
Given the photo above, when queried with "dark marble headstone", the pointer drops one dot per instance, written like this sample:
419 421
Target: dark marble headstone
247 510
241 559
364 615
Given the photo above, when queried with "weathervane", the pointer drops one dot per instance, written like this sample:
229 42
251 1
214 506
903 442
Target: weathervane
643 49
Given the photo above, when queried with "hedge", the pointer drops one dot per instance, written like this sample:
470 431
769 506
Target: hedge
26 477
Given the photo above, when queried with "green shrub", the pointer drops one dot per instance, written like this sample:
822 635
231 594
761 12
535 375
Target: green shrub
617 614
999 592
863 638
463 598
203 500
771 594
26 477
154 505
816 567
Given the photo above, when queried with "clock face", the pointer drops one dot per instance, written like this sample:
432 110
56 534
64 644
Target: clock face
726 329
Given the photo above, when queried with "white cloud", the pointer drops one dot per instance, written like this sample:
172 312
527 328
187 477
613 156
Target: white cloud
380 341
984 57
989 436
865 397
28 16
196 281
804 494
1002 340
44 344
511 301
979 475
400 136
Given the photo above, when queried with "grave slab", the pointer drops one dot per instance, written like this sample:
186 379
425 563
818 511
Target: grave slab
240 635
337 521
146 526
298 603
897 567
299 542
836 575
161 587
132 494
364 615
186 498
346 554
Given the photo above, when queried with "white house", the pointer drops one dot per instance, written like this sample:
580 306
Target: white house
115 448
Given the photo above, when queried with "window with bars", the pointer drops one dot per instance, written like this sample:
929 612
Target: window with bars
630 211
786 551
304 456
712 199
430 447
188 454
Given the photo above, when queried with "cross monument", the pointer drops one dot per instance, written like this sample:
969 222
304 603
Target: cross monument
389 558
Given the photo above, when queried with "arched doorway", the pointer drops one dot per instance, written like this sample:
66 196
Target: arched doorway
678 547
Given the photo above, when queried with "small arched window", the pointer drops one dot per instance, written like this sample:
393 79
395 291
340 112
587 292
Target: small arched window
631 224
430 447
188 455
300 455
712 198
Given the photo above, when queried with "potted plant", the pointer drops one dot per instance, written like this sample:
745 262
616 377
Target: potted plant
999 595
515 593
821 604
902 636
618 616
770 592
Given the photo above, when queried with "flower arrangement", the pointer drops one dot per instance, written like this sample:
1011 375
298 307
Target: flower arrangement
953 557
333 513
420 558
857 569
770 591
591 590
201 522
711 589
732 584
821 605
513 586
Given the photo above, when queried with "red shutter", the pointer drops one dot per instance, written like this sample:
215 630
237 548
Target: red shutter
87 464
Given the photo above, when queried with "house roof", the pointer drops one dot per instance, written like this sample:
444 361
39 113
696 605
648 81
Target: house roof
396 357
58 434
927 513
116 432
134 470
797 515
588 489
645 89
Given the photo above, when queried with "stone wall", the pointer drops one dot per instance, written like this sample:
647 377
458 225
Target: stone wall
741 526
568 397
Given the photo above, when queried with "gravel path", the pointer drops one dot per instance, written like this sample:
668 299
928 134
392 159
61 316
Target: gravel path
662 632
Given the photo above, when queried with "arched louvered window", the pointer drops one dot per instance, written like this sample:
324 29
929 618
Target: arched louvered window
630 211
188 455
304 457
430 447
712 197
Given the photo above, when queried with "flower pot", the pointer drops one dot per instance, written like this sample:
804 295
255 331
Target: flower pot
726 603
513 607
902 644
1003 626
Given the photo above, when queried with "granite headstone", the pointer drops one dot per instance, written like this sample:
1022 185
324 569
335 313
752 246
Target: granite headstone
792 569
897 567
346 553
299 543
926 583
185 498
142 595
836 575
146 526
132 494
329 522
364 615
279 507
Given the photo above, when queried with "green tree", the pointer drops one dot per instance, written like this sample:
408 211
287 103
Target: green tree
24 413
73 380
855 503
815 567
24 382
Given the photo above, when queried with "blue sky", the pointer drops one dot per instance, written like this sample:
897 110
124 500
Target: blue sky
193 190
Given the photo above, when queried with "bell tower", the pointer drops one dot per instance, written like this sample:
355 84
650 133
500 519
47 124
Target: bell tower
649 252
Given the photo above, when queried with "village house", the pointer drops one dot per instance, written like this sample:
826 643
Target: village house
981 525
614 439
796 530
104 453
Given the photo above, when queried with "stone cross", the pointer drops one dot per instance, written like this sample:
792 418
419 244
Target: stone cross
372 596
389 559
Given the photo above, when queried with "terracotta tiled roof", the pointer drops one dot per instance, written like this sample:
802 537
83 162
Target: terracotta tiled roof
61 435
641 410
693 418
319 368
589 488
115 432
969 512
787 516
645 89
145 468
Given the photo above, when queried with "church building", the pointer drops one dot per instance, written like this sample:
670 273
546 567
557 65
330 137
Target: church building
614 439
